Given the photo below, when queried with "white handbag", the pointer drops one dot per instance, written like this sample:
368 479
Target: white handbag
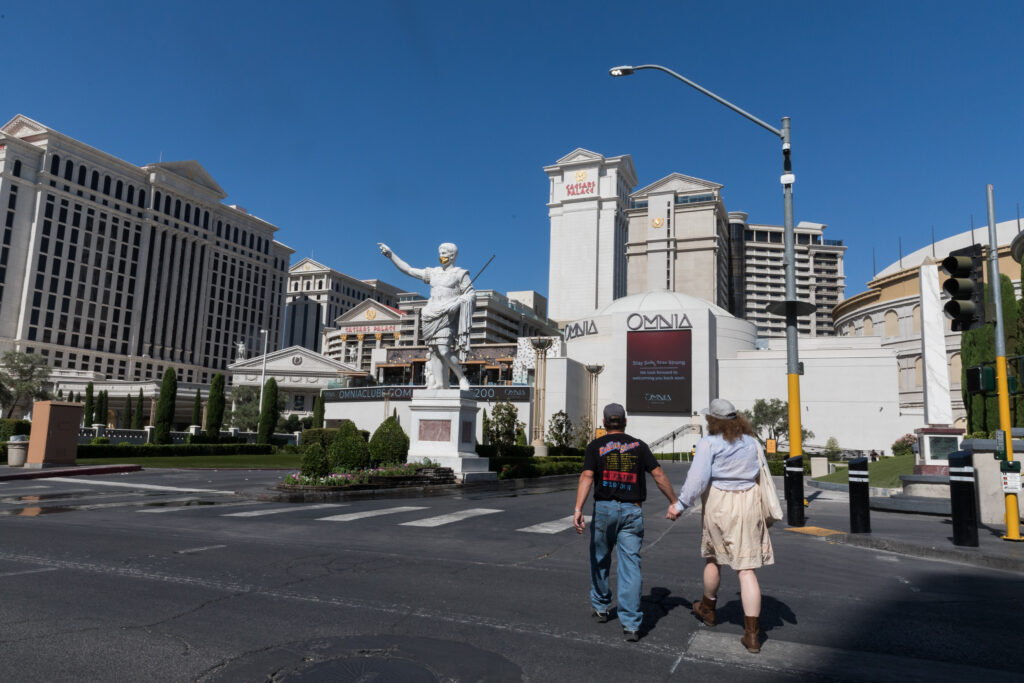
771 510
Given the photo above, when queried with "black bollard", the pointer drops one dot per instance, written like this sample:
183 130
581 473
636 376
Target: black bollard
963 498
860 511
795 491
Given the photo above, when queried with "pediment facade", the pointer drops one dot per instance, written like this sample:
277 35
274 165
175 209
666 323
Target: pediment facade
192 171
370 312
295 360
676 182
308 265
579 155
22 126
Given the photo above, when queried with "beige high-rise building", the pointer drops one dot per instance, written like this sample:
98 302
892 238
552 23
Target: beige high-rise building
587 204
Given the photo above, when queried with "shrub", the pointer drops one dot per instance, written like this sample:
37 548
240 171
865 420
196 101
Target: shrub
165 407
320 437
215 406
902 445
348 449
315 462
535 467
268 412
389 444
318 412
99 441
9 428
503 451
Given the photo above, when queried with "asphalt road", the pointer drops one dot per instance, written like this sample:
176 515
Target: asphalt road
114 578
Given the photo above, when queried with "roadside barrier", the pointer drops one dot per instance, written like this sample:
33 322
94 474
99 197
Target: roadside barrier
860 504
963 498
794 488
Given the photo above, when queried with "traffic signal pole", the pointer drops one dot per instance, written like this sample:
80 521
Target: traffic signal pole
1012 514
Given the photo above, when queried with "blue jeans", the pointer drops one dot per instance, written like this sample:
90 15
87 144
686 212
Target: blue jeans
617 525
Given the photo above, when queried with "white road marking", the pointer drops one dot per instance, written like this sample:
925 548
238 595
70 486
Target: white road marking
369 513
150 487
441 520
195 505
277 511
30 571
549 527
198 550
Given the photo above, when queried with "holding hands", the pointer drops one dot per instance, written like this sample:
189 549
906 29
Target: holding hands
672 513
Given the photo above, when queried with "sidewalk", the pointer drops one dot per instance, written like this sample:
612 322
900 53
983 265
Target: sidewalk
919 535
8 473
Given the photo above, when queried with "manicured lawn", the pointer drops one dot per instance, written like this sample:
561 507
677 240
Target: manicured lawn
885 473
222 462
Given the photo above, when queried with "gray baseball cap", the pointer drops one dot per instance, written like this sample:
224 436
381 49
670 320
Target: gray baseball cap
721 409
614 412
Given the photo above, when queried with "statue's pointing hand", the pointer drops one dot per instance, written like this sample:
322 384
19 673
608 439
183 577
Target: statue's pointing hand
384 249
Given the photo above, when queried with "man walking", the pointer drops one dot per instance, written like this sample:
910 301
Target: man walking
615 465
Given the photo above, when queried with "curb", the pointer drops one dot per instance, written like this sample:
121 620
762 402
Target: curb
873 491
963 555
558 482
86 470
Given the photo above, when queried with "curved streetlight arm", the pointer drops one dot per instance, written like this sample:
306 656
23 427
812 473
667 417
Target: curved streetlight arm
713 96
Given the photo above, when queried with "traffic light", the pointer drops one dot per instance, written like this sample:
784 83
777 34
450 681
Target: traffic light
981 379
965 286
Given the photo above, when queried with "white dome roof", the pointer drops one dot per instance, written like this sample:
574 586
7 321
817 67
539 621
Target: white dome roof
660 300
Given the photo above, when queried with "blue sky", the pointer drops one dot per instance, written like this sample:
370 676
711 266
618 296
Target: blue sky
418 122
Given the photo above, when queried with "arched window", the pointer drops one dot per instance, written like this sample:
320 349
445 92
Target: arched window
81 175
251 236
156 199
892 324
243 238
916 315
869 327
220 224
106 185
177 208
17 168
955 370
188 212
118 189
130 197
69 170
206 220
917 372
142 199
167 204
94 182
55 165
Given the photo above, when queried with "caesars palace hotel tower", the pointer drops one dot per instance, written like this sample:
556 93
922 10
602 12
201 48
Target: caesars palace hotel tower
589 194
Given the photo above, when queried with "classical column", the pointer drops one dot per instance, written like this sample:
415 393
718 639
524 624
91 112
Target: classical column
359 350
540 347
594 371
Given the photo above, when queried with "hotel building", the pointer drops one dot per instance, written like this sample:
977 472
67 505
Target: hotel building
318 295
114 271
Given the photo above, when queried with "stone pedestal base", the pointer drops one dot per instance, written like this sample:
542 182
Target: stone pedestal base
934 444
54 438
443 430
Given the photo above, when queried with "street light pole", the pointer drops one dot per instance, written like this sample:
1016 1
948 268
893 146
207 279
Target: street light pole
263 374
791 308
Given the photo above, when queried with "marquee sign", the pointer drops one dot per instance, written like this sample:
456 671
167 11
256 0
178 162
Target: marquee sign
514 394
673 321
368 329
659 372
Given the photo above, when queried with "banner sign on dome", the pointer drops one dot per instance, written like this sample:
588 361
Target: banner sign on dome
658 372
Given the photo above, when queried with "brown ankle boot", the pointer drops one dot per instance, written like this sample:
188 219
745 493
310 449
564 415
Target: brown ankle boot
705 610
751 634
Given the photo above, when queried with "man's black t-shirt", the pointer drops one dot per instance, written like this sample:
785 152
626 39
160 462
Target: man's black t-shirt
619 462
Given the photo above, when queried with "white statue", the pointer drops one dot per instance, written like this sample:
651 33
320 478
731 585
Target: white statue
240 351
448 316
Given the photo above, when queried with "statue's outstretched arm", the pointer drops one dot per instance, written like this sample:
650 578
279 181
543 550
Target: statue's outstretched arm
399 263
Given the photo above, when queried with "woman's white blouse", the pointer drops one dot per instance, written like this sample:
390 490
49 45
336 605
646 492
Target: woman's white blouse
727 466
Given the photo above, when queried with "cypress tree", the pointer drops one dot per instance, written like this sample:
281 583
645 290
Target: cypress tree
268 412
197 410
127 419
139 418
100 413
215 407
165 407
318 412
1009 306
87 411
60 393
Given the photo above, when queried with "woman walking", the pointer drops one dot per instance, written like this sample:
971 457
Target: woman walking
724 476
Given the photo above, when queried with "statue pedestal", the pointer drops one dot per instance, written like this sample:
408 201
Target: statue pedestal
443 430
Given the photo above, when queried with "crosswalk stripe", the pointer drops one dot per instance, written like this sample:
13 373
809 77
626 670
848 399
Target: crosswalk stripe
277 511
369 513
549 527
148 487
441 520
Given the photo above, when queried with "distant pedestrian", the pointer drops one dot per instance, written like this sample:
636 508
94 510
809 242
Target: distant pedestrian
615 465
724 476
873 456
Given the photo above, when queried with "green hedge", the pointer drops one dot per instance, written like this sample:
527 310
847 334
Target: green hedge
496 451
778 467
319 436
171 450
204 438
515 468
9 428
564 451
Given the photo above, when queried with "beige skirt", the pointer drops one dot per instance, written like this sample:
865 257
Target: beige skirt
734 532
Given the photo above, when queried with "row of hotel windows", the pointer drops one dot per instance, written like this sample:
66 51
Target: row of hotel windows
177 209
776 237
85 362
891 322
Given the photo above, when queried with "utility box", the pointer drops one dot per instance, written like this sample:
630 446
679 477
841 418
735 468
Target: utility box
54 438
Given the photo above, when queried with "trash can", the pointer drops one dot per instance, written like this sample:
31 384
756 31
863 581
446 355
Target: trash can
17 451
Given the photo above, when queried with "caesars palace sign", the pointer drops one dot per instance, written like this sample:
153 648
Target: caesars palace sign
635 322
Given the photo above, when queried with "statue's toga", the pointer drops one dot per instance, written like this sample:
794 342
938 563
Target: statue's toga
448 316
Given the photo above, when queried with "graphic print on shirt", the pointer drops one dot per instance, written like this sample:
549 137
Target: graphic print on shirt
620 465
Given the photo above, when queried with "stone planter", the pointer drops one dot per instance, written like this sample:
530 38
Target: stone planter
17 453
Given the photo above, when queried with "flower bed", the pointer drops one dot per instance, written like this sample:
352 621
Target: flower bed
386 476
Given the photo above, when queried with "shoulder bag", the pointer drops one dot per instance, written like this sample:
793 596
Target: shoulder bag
771 510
